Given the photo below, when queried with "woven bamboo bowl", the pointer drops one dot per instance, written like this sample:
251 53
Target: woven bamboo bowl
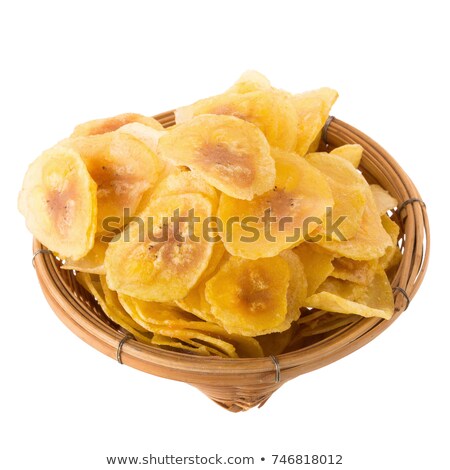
240 384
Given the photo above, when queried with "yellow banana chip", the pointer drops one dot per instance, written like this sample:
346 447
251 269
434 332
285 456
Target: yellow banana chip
270 110
371 239
58 201
102 126
160 257
351 152
254 301
93 262
230 154
361 272
250 81
111 306
280 218
393 255
317 264
349 190
123 168
313 108
173 344
374 300
384 201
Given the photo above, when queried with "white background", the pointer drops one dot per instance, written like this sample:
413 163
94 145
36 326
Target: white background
65 405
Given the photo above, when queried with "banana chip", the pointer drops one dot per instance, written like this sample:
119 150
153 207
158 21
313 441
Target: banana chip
58 201
102 126
361 272
384 201
250 81
270 110
393 255
173 344
93 262
374 300
371 240
296 204
317 264
230 154
350 152
111 306
160 257
313 108
195 302
123 168
249 297
349 190
184 181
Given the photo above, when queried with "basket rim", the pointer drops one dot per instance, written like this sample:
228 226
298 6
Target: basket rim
199 369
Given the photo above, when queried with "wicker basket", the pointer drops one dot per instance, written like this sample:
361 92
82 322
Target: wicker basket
239 384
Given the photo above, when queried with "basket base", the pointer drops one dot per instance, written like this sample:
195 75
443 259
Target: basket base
237 399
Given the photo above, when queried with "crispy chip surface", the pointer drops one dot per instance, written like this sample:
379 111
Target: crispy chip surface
270 110
59 203
374 300
123 169
349 190
229 153
249 297
159 258
383 200
281 217
93 262
371 239
317 264
104 125
350 152
313 108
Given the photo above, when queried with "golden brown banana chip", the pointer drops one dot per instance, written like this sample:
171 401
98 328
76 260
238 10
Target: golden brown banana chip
157 317
384 201
230 154
393 255
102 126
58 201
93 262
148 135
111 306
351 152
160 257
271 110
123 168
173 344
298 287
195 302
280 218
250 81
371 239
360 272
313 108
249 297
374 300
184 181
198 338
317 264
180 180
348 187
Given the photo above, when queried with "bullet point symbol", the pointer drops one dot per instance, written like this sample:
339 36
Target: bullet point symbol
262 458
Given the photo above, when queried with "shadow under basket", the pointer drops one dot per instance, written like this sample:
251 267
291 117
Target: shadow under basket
240 384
